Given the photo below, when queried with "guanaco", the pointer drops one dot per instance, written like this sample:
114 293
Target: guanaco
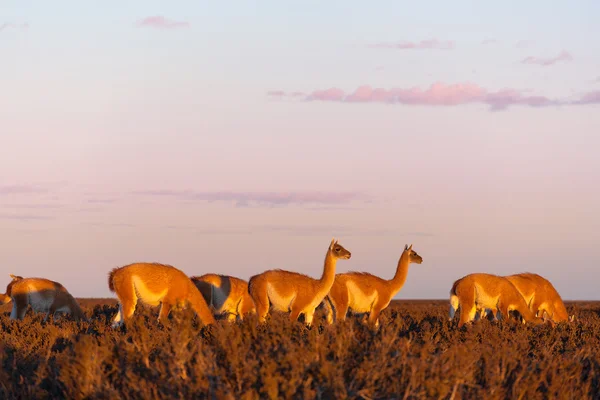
541 296
43 295
294 292
226 295
480 291
363 292
155 284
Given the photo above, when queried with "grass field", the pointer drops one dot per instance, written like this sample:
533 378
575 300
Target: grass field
416 354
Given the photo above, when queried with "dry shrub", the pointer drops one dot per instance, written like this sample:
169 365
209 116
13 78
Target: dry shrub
417 353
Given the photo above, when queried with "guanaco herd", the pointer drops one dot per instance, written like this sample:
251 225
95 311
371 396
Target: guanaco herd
478 295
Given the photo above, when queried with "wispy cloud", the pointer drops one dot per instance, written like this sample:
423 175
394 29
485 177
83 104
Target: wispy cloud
42 206
589 98
442 94
430 44
545 62
100 201
160 22
6 26
21 189
489 41
245 199
24 217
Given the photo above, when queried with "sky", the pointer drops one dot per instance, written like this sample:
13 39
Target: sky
236 138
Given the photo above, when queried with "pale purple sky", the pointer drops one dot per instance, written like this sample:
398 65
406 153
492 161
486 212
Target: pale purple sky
234 139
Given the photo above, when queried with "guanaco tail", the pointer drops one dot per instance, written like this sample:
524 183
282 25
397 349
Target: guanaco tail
43 295
294 292
226 295
154 284
362 292
480 291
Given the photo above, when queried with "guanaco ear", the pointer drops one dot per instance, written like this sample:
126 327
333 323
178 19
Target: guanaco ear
405 247
410 247
332 243
15 277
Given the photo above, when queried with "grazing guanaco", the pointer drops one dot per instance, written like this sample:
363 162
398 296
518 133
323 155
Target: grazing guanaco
294 292
225 294
479 291
366 293
154 284
540 296
43 295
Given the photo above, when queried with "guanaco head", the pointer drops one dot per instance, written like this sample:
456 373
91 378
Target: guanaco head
5 297
338 251
414 257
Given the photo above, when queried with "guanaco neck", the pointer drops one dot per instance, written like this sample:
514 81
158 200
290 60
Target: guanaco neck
397 282
329 270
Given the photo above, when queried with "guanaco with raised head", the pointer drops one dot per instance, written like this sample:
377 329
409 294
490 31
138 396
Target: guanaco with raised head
154 284
363 292
480 291
294 292
226 295
43 295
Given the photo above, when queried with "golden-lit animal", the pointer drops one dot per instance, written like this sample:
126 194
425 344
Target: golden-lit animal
154 284
363 292
43 295
226 295
480 291
294 292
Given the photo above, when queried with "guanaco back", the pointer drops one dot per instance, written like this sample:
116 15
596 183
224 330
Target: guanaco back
540 296
363 292
43 295
226 295
480 291
155 284
294 292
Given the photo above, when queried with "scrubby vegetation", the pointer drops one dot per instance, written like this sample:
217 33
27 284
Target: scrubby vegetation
416 354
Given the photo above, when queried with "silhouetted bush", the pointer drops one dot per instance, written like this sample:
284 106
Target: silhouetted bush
417 353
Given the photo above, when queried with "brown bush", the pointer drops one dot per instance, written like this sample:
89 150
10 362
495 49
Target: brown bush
417 353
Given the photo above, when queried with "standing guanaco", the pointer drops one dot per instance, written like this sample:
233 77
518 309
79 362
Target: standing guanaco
155 284
363 292
294 292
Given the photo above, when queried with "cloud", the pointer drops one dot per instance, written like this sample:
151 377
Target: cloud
489 41
24 217
43 206
562 56
6 26
422 45
589 98
437 94
160 22
521 44
101 201
270 199
280 94
21 189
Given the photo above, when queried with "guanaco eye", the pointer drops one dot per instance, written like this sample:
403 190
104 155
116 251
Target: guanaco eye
338 249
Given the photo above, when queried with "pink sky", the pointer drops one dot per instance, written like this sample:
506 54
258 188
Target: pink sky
203 138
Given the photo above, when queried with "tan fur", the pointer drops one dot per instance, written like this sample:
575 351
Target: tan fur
540 296
225 294
366 293
290 291
155 284
42 295
480 291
